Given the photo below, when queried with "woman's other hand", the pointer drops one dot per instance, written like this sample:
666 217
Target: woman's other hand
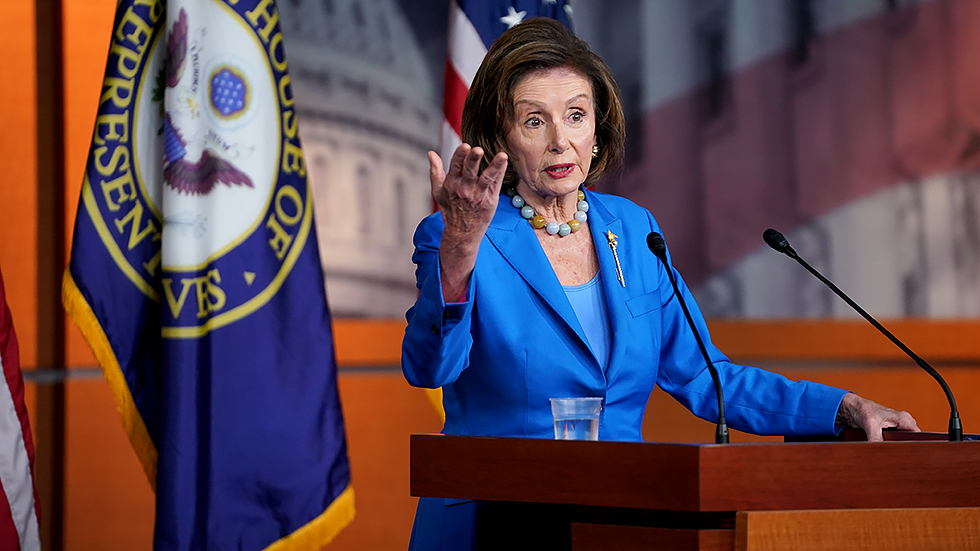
467 200
860 413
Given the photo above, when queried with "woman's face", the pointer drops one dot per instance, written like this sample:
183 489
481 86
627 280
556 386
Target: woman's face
550 138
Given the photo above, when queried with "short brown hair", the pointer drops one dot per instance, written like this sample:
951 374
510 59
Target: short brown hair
530 46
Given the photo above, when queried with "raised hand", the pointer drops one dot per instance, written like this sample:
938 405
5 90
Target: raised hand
467 200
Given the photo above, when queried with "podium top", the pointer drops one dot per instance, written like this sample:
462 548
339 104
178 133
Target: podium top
698 477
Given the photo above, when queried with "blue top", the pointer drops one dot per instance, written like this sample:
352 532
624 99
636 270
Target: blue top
589 303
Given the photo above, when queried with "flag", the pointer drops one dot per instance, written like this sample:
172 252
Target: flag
195 278
474 25
18 496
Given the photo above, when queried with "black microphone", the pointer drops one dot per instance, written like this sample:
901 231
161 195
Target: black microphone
656 243
776 240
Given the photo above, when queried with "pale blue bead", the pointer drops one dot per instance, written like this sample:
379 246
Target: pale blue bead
581 216
583 206
551 228
527 212
517 201
564 230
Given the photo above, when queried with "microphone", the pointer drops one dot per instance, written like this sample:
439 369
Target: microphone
656 243
776 240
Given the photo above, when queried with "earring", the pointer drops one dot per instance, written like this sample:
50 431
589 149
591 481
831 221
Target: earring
595 151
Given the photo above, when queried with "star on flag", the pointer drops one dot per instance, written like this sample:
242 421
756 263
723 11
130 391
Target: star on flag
513 17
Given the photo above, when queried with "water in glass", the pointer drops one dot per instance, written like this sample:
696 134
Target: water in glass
577 429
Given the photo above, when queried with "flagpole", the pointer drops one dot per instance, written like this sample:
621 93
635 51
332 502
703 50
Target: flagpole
50 413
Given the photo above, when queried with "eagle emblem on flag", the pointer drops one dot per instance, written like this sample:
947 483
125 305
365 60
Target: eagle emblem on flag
228 97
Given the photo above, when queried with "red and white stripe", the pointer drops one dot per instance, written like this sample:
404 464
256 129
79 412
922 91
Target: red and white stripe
465 54
18 497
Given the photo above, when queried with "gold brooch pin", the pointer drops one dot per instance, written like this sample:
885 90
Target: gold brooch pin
612 245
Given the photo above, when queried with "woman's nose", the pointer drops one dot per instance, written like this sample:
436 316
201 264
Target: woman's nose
559 143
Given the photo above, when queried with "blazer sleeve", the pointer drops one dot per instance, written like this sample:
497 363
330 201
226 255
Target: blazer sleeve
756 400
438 340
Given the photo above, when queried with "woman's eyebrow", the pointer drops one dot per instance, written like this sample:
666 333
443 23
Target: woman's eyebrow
538 104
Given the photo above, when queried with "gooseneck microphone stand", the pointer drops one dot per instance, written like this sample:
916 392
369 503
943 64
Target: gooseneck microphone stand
779 243
656 243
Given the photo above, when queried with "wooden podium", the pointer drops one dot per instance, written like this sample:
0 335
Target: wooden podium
551 494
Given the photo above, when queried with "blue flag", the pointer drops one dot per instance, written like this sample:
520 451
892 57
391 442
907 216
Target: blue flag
491 18
196 280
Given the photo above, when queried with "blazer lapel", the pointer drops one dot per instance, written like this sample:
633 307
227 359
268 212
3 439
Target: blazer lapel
514 238
601 223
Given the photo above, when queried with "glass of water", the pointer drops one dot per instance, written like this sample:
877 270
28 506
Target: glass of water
576 418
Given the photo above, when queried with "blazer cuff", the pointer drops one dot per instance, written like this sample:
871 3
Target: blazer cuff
432 308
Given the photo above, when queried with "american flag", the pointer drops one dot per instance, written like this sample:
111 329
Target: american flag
18 498
473 26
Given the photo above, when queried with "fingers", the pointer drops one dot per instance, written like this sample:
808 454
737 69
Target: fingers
435 165
465 165
907 422
874 433
463 188
903 420
493 175
456 163
873 417
436 174
883 417
471 165
464 168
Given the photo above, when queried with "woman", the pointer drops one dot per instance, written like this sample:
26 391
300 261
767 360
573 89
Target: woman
549 290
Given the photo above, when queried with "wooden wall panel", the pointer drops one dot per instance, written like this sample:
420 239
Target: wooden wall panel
377 342
381 412
18 187
848 340
108 501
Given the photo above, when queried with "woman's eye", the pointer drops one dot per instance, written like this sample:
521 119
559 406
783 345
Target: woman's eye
533 122
577 116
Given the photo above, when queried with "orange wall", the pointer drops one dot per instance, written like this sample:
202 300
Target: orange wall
108 502
18 187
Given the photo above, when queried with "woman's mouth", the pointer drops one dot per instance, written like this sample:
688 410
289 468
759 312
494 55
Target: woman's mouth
559 171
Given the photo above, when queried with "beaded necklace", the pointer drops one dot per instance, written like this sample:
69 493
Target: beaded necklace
537 221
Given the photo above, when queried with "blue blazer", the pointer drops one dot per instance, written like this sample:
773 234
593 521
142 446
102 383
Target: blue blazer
516 342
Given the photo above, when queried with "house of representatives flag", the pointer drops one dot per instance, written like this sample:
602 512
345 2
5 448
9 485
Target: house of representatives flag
18 496
195 278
